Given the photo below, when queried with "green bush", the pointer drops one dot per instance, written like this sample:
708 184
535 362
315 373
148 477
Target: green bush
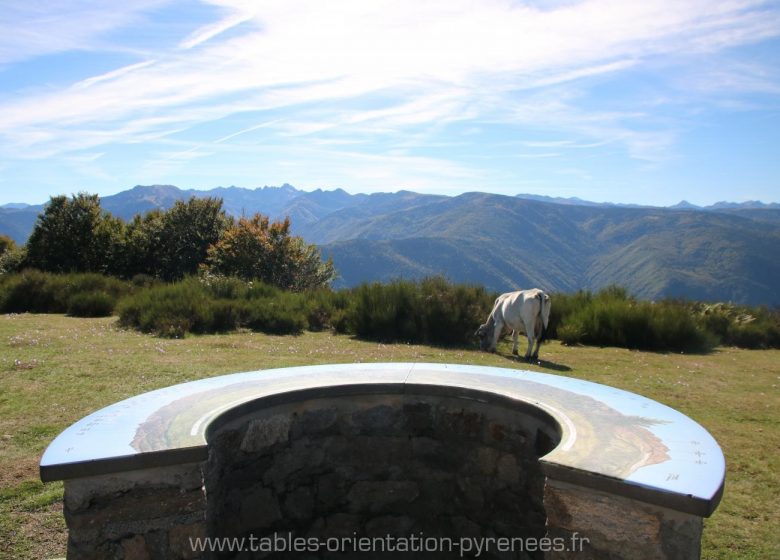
612 318
31 291
217 305
91 304
282 315
739 325
327 309
34 291
170 310
570 333
431 311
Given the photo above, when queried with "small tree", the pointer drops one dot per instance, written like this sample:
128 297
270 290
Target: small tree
74 235
6 244
188 230
12 258
142 245
255 248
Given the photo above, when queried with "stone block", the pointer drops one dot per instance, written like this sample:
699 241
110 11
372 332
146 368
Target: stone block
259 509
134 548
438 456
315 422
341 525
182 537
472 494
138 511
507 470
382 496
380 419
331 490
464 527
299 504
486 460
265 432
291 461
622 526
81 492
394 525
417 418
461 423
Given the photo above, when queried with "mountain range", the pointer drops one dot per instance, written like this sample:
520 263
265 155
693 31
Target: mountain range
724 252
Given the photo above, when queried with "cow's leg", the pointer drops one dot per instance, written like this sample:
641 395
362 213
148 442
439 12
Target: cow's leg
531 334
539 330
535 354
496 334
514 342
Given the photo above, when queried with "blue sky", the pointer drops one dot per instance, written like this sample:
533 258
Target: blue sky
648 101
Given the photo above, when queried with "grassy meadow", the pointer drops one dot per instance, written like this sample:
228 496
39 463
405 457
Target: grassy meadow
56 369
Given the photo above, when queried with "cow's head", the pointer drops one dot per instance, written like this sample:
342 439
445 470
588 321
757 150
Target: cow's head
485 335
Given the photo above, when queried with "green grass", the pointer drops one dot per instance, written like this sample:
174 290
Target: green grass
56 369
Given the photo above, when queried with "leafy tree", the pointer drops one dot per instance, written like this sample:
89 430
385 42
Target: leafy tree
188 230
74 235
6 244
13 259
257 249
142 245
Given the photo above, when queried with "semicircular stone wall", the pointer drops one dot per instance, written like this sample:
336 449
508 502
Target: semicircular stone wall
378 465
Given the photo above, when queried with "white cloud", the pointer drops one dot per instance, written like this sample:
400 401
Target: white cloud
38 27
425 63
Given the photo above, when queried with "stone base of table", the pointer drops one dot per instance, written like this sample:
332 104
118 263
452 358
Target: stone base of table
140 514
596 525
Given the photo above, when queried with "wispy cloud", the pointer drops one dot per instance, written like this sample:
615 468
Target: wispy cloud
39 27
351 72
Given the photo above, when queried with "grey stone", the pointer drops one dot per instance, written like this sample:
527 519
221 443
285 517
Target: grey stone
461 423
341 525
507 470
291 461
382 496
331 490
486 460
395 525
265 432
259 509
417 418
299 504
80 492
465 527
621 527
134 548
180 543
472 493
315 421
376 420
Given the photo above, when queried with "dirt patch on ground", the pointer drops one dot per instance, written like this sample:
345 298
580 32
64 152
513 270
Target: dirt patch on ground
14 472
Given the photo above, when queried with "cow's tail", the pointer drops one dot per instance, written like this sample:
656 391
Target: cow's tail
544 313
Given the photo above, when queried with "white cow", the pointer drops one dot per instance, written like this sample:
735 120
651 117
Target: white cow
526 311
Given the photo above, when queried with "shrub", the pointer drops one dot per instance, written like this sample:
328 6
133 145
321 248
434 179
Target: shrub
570 333
169 310
91 304
13 260
31 291
218 305
612 318
42 292
431 311
282 315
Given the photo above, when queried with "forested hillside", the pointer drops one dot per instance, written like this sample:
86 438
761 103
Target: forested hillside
725 252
